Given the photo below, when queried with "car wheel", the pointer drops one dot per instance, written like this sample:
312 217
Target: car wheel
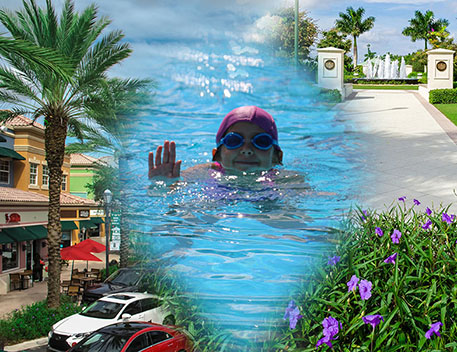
169 320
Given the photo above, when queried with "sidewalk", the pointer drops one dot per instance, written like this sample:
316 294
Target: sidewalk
17 298
407 146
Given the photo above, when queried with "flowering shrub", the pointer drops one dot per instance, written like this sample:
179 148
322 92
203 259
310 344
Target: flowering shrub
407 287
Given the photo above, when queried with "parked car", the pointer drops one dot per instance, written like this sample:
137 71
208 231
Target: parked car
119 307
122 280
134 337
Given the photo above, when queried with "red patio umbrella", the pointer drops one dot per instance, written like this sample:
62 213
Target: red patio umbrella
73 253
90 245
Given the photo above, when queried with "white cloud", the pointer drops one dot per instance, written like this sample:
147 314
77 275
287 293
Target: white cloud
412 2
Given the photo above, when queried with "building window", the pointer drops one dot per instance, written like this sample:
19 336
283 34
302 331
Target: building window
45 175
4 171
33 174
9 256
64 182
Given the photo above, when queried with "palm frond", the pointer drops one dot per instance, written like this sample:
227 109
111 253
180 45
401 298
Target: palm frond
11 81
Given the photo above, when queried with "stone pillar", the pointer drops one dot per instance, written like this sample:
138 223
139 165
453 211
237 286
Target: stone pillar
440 69
330 69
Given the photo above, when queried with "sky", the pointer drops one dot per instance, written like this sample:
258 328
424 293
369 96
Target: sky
144 21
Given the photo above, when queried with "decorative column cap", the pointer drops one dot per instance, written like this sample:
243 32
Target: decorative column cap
330 49
439 51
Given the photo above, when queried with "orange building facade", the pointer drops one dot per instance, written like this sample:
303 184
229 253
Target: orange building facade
24 189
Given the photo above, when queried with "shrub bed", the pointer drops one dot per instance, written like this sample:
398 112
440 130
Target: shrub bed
389 286
329 96
384 81
443 96
34 321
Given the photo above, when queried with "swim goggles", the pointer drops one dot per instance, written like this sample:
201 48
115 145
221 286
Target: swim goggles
262 141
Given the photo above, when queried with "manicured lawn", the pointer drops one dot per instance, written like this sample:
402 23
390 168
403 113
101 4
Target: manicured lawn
450 110
385 86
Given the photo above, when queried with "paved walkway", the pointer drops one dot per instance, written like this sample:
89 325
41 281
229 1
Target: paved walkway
408 147
17 298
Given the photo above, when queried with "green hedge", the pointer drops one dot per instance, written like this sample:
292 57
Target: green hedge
443 96
329 96
34 321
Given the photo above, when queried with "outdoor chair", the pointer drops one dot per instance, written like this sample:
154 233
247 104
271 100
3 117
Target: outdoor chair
74 291
75 282
15 282
96 274
65 285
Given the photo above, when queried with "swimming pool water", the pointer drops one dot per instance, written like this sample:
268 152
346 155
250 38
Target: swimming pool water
240 246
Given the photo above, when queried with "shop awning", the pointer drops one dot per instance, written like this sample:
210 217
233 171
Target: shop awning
39 230
68 225
87 224
4 238
10 153
97 220
20 234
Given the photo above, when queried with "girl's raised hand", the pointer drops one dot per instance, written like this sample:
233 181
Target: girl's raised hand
165 166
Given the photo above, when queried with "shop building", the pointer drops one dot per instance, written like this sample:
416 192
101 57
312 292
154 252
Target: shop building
24 182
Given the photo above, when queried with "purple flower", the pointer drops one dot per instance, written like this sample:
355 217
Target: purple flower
379 232
427 225
391 259
331 329
416 202
365 289
447 218
352 284
293 313
330 325
402 199
327 340
396 235
372 319
428 211
365 213
333 260
434 329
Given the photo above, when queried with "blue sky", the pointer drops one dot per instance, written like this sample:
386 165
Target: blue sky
145 20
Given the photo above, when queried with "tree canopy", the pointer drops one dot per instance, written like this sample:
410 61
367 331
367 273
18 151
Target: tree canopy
352 23
422 25
283 34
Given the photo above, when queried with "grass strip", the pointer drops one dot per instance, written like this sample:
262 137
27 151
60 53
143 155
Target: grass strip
449 110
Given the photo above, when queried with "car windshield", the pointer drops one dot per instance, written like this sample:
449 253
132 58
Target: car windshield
102 342
103 310
124 277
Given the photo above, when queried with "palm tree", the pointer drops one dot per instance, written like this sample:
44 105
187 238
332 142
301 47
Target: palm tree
351 23
106 133
47 58
41 93
422 24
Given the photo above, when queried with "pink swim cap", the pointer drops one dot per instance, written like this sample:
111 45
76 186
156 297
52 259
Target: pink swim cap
251 114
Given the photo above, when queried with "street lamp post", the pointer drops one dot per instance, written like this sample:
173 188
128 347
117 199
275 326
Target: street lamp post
107 196
296 34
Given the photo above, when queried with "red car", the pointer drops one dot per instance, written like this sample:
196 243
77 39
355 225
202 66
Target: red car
134 337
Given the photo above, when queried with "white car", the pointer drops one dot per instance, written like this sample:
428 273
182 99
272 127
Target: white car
118 307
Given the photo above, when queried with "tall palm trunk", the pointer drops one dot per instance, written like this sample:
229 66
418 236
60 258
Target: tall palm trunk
355 53
425 44
55 135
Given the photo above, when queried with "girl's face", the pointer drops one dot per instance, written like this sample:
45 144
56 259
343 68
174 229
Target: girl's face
247 157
